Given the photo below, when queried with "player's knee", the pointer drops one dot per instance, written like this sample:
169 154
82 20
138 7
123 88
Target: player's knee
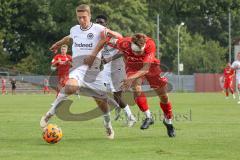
164 98
102 104
71 86
70 89
137 90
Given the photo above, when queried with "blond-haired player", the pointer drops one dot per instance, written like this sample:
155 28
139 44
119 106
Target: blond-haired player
85 37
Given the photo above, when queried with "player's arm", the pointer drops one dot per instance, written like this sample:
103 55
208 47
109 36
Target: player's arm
54 61
106 37
69 62
64 40
113 34
116 56
143 71
90 59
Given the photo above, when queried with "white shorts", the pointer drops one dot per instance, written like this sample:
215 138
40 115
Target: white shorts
113 79
90 82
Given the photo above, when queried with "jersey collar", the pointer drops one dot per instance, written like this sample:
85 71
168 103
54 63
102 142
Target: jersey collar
87 28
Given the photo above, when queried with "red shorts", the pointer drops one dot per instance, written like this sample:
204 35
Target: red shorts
153 76
228 84
45 88
62 80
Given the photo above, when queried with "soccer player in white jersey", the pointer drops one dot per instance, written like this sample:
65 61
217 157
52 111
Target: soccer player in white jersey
113 74
236 67
84 37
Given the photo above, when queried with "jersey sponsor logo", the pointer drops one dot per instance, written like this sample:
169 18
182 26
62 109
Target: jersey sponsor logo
83 45
90 36
135 59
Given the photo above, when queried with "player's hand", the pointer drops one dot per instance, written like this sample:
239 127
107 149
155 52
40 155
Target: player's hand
126 84
106 60
89 60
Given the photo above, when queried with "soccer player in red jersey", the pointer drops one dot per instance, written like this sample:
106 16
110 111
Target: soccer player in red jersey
228 80
3 86
46 86
139 53
62 62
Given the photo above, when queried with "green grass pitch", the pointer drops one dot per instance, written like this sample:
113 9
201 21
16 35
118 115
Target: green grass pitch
207 127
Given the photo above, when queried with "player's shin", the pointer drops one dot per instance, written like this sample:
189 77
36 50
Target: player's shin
107 120
108 126
226 92
166 107
103 105
167 110
141 101
44 120
127 111
61 96
129 116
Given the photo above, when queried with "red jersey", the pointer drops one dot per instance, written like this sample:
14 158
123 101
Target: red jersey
3 83
62 69
228 74
135 62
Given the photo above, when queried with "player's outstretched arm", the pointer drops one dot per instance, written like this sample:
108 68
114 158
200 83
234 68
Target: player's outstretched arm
90 59
128 82
107 33
116 56
64 40
113 34
144 70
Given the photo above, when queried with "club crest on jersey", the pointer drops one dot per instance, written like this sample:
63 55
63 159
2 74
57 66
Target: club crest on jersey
90 36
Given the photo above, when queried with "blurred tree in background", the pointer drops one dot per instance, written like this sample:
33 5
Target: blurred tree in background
29 27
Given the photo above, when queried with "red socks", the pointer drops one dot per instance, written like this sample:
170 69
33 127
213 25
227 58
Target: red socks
167 110
142 102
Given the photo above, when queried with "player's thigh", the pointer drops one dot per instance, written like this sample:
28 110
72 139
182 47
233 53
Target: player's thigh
161 91
137 86
117 95
159 84
102 104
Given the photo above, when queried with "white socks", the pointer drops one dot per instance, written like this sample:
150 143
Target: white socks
168 121
148 114
107 120
127 111
61 96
